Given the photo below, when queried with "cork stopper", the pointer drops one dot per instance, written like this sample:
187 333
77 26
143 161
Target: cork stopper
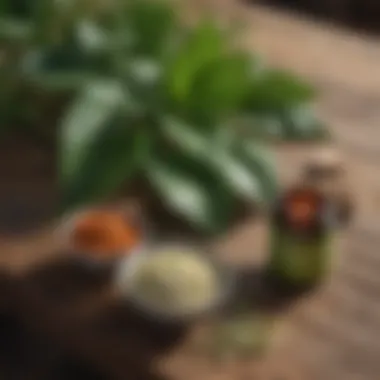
325 172
323 164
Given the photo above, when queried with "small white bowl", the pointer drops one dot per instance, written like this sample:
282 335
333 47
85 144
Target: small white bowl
126 269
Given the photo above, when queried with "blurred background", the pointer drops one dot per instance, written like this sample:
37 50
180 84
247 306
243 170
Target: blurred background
117 100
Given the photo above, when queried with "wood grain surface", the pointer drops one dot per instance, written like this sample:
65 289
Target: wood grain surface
334 334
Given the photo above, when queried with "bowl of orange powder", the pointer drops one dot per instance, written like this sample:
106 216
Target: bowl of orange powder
103 235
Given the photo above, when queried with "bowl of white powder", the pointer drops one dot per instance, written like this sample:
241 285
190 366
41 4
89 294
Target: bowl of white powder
174 282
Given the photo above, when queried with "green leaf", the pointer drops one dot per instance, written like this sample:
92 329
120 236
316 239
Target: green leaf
184 137
44 17
15 30
258 160
35 69
91 112
17 9
151 23
218 157
145 72
301 123
260 126
63 67
116 154
91 37
63 81
233 168
202 46
58 58
74 53
292 124
273 89
142 77
27 20
237 176
221 86
192 190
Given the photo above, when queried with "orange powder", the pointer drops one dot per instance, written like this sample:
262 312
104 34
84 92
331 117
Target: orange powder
104 233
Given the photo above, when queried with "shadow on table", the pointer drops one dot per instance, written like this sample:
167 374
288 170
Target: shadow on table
65 305
254 291
65 309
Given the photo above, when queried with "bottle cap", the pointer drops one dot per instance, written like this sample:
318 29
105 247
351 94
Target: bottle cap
324 162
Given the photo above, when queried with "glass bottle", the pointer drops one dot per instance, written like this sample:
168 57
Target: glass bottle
302 226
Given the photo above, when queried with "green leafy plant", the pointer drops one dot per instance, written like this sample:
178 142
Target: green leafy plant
179 108
27 105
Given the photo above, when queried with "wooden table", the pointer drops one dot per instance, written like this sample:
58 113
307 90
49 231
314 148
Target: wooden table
76 309
333 335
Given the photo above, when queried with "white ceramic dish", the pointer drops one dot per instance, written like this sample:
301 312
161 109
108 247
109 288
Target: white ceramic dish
125 275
